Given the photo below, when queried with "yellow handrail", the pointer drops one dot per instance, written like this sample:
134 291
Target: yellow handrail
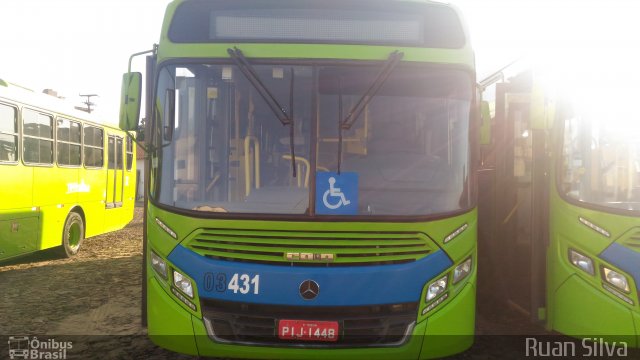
306 163
247 163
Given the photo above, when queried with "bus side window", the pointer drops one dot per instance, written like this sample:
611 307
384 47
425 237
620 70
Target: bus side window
120 153
111 157
129 153
8 134
93 147
68 143
38 137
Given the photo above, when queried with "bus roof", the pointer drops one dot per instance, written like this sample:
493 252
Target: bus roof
18 94
436 34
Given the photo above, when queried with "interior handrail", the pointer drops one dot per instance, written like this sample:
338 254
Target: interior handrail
247 163
307 165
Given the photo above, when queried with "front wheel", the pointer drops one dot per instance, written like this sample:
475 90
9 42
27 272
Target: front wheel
72 234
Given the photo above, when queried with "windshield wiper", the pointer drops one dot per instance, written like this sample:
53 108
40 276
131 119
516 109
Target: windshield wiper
390 64
291 133
358 108
278 110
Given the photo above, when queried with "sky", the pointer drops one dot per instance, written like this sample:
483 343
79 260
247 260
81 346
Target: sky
77 46
83 46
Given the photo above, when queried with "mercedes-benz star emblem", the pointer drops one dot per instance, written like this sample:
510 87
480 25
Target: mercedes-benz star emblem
309 289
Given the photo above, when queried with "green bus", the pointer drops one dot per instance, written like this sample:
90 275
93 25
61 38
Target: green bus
311 188
560 221
64 178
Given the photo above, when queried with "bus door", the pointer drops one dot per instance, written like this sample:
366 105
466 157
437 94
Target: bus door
115 173
518 207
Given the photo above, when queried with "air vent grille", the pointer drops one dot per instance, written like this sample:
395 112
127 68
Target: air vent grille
331 248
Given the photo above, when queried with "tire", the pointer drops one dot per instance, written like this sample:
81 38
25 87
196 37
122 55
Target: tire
72 235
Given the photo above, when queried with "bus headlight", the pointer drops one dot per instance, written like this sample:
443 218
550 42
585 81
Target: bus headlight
159 265
461 271
616 279
582 262
183 283
436 288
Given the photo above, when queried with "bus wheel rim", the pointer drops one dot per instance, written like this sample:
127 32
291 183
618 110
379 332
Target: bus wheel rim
74 236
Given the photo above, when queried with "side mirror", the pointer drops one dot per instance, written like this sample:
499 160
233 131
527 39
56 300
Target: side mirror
485 127
169 114
130 101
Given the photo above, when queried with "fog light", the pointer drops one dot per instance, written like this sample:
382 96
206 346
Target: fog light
159 265
582 262
616 279
436 288
182 283
461 271
433 305
618 294
186 301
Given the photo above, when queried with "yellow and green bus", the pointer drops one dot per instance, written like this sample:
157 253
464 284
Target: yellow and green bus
561 203
63 177
311 188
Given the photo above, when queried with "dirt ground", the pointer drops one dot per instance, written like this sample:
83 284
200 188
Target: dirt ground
94 299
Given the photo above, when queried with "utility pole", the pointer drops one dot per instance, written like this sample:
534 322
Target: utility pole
88 102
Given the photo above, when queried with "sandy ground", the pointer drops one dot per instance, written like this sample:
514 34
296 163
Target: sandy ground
94 299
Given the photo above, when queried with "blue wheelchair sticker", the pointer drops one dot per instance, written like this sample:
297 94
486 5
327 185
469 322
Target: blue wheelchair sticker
336 194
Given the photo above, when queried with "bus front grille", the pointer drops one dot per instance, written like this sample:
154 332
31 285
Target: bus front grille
317 248
633 241
359 326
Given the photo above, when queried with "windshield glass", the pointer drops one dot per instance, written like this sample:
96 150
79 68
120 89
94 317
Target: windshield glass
601 161
228 152
409 146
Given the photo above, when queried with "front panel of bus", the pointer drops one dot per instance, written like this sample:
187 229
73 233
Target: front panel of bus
594 256
280 224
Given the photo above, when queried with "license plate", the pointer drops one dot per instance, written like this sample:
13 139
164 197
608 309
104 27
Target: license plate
308 330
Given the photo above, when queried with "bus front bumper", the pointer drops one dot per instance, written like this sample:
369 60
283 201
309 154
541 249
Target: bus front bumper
583 311
586 306
446 330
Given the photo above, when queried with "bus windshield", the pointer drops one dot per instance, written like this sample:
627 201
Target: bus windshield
601 162
230 153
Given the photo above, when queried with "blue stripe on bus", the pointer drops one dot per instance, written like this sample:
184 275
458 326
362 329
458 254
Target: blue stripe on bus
625 259
339 286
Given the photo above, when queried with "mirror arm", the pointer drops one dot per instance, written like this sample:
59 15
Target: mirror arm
147 150
155 48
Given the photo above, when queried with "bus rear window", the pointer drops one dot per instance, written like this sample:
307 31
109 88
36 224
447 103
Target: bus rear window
427 25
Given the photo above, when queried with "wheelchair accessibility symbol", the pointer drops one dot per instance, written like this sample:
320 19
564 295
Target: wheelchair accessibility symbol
336 194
